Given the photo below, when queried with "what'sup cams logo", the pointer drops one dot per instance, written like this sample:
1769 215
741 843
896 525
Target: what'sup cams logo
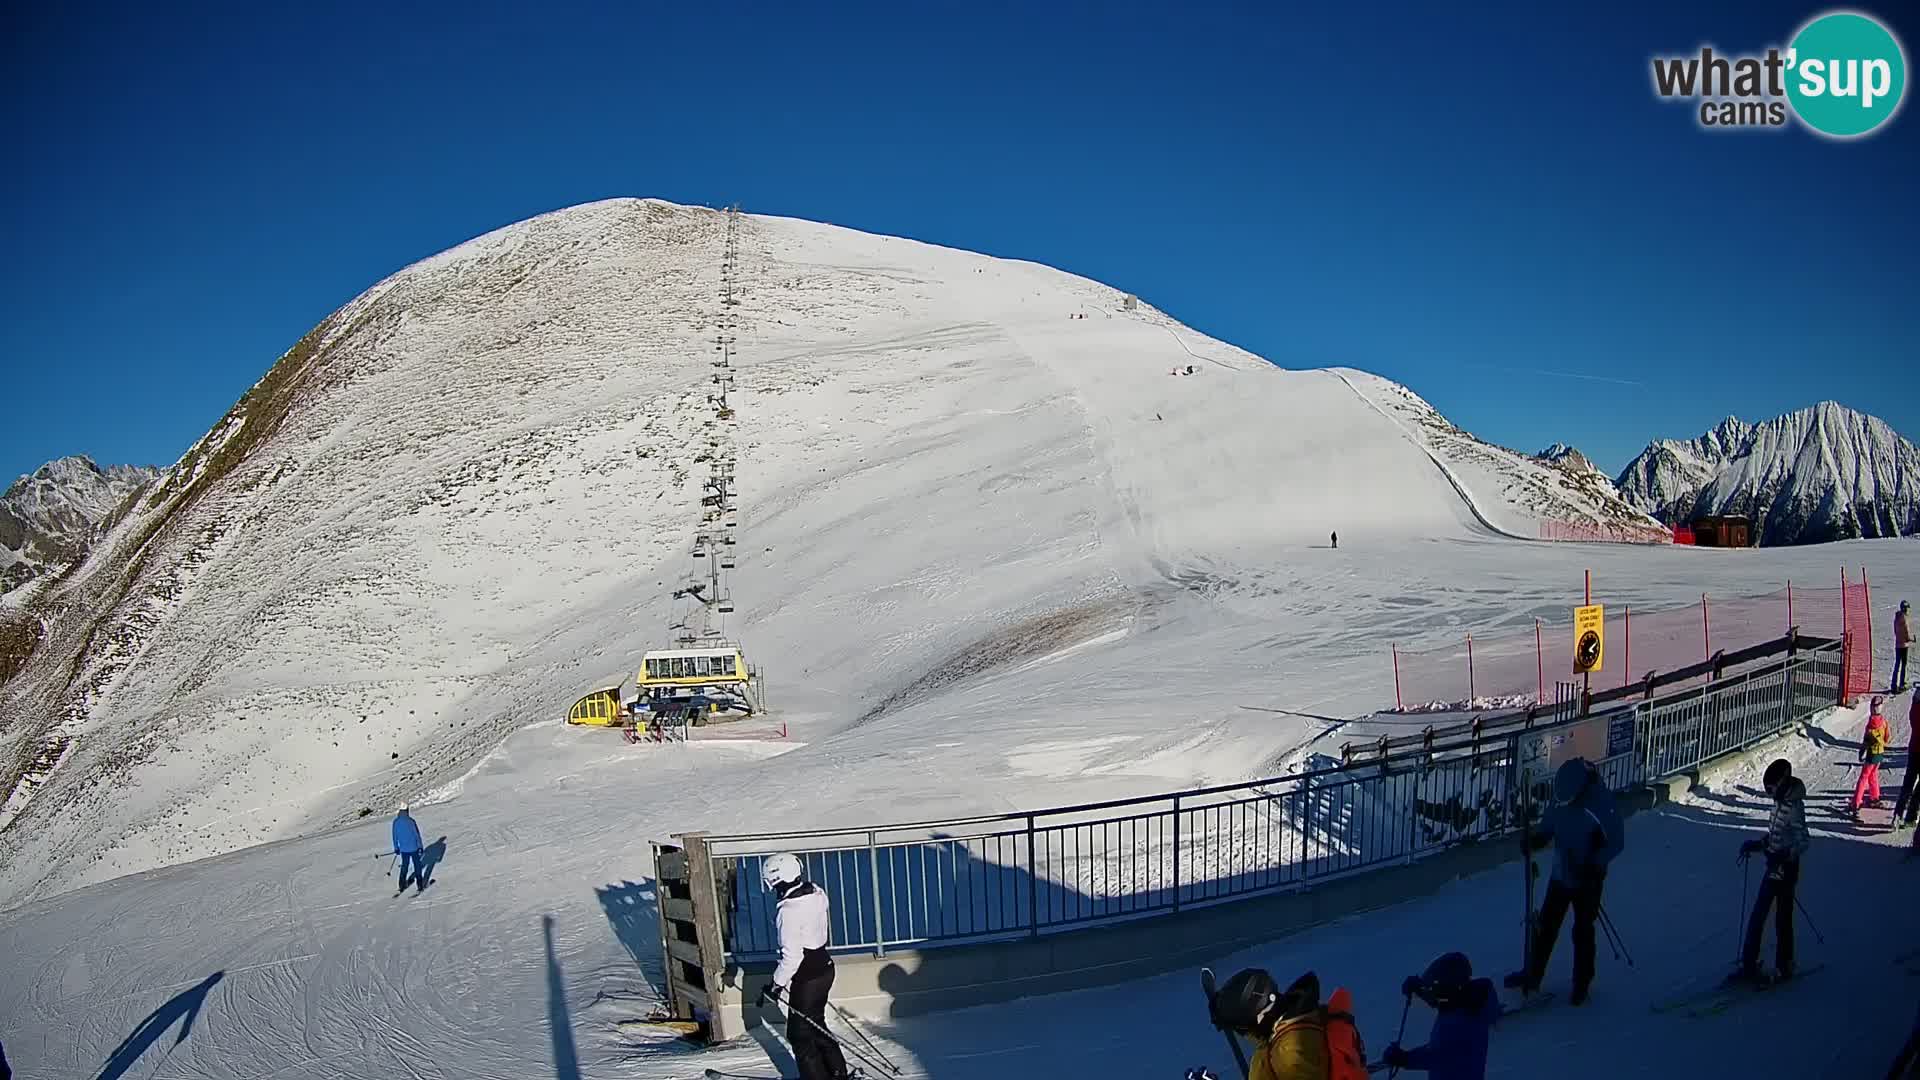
1843 76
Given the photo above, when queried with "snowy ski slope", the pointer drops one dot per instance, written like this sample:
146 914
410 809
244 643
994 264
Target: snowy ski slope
323 975
462 501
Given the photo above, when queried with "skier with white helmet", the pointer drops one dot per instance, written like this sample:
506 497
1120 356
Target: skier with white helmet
804 975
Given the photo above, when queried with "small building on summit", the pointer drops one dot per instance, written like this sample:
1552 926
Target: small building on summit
1723 531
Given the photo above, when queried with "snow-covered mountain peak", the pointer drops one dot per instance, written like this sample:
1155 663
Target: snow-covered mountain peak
48 517
1567 458
1825 472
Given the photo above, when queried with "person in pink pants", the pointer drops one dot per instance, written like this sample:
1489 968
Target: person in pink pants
1873 748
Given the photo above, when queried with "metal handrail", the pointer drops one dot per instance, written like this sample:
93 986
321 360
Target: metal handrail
1041 872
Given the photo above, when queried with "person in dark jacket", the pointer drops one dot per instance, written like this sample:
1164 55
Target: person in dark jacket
406 844
1907 808
1587 834
1467 1008
1902 640
1785 842
1906 1065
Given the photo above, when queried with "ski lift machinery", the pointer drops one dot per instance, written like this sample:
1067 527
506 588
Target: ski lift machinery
704 675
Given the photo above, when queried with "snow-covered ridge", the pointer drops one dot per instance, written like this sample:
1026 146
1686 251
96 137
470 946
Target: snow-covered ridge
1819 474
1516 491
465 498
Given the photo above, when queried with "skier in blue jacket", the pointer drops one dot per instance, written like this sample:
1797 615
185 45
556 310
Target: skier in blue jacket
1467 1008
1586 833
406 844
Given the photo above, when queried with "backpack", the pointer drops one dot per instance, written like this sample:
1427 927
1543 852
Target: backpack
1346 1052
1876 738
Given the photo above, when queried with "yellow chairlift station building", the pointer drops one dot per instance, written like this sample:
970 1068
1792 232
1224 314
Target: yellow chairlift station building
599 709
717 667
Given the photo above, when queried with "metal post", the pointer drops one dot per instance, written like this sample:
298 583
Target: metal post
1706 627
1539 665
879 914
1470 694
1397 702
1789 605
1626 665
1176 853
1033 883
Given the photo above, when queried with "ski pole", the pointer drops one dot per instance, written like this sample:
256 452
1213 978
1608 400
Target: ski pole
1817 935
855 1028
1739 947
1397 1039
1613 936
886 1069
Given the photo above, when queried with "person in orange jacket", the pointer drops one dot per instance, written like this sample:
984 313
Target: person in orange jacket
1873 749
1299 1038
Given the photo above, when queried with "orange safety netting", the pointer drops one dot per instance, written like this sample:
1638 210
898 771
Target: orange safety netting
1593 532
1508 669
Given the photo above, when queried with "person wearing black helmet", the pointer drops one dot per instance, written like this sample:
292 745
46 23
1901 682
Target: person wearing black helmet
1466 1009
1586 833
1785 842
1902 639
1299 1038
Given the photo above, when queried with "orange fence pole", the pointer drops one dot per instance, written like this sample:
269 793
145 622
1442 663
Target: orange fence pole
1846 645
1866 588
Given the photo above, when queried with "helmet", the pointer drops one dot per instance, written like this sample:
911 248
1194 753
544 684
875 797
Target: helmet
404 807
1777 773
1878 701
781 869
1448 974
1572 779
1244 1001
1302 997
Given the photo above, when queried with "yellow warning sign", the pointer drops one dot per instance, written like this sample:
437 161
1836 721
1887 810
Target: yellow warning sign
1589 637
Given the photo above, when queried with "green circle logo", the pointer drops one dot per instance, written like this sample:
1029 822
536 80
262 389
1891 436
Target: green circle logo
1846 74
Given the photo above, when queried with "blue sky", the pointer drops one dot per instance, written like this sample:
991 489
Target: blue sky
1484 202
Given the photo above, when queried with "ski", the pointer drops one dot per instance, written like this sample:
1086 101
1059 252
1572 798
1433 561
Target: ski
678 1028
720 1075
716 1074
1210 988
1716 999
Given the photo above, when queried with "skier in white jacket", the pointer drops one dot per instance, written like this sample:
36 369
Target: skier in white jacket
804 976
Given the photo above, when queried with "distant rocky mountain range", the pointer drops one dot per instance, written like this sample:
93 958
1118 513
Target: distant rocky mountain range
1819 474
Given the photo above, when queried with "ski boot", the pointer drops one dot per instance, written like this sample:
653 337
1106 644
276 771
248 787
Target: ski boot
1519 980
1748 975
